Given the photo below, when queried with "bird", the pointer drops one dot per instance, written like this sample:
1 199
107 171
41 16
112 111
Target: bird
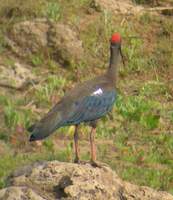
86 103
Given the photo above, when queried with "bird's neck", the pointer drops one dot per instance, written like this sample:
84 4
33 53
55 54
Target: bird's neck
114 60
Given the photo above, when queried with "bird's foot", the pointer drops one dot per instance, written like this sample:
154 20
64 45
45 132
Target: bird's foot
98 164
95 164
91 162
78 161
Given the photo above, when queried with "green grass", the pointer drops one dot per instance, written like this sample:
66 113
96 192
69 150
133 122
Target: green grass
14 117
52 84
36 60
137 108
18 10
53 11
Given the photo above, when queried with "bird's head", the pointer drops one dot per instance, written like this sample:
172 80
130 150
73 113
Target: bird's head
116 39
116 43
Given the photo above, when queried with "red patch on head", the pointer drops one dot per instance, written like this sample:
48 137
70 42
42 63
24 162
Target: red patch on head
116 38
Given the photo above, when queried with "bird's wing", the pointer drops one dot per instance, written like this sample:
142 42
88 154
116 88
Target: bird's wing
91 107
83 103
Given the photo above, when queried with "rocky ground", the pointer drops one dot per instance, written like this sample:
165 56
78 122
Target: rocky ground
60 180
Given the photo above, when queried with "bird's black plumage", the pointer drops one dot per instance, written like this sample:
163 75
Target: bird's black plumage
92 107
87 102
82 104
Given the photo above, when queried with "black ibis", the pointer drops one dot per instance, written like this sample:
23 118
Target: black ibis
87 102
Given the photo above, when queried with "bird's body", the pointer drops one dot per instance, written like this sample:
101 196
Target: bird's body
87 102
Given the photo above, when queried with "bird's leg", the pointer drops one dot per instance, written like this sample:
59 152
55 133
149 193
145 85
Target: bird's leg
76 160
93 147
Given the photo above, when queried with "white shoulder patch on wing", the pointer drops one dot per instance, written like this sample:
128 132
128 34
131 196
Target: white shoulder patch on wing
97 92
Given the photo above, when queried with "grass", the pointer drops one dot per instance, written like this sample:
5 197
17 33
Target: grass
53 83
36 60
53 11
136 138
138 109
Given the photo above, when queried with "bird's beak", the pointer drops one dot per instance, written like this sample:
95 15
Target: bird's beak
122 56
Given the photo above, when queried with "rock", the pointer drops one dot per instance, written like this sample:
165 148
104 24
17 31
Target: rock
65 44
117 6
127 7
40 35
15 75
17 193
59 180
28 37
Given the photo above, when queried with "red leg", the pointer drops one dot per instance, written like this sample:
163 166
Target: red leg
76 160
93 147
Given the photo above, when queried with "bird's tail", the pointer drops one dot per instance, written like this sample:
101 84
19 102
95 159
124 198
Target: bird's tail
46 126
